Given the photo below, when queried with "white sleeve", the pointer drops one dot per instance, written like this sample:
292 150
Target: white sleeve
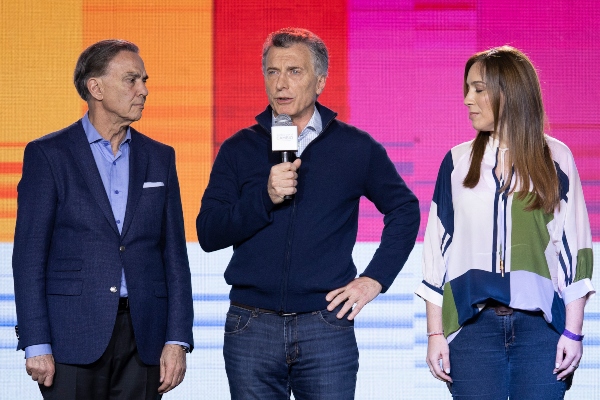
438 236
575 247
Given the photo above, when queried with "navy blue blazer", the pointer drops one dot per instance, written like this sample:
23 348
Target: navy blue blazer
68 253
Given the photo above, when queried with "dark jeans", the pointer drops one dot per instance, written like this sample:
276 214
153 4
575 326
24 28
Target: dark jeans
267 356
497 357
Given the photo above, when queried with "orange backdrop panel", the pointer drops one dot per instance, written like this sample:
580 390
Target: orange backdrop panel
39 42
175 40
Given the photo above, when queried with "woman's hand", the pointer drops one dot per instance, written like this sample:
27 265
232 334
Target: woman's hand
437 349
437 345
569 351
568 355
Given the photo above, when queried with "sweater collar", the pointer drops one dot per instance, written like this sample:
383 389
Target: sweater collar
264 119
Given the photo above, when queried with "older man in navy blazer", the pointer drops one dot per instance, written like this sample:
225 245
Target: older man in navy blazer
102 280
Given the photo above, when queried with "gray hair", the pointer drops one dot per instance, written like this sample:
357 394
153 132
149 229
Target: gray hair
94 61
287 37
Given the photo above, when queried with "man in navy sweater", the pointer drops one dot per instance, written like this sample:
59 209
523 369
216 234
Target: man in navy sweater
294 290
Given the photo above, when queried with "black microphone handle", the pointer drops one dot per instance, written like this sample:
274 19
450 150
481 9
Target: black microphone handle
285 158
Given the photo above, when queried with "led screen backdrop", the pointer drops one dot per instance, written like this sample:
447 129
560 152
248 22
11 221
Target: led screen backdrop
396 71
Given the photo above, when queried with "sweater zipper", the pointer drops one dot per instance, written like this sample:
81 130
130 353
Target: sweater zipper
288 259
290 235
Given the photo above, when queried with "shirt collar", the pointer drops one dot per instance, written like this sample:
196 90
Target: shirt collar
315 123
92 134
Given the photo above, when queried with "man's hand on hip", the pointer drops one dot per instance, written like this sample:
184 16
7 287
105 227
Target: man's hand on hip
41 369
172 367
283 180
360 291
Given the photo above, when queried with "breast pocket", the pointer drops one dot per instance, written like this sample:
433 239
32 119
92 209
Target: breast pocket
150 208
153 190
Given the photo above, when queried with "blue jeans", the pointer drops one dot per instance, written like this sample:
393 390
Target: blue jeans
505 356
267 356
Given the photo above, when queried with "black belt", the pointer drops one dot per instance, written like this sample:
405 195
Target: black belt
499 308
123 303
263 310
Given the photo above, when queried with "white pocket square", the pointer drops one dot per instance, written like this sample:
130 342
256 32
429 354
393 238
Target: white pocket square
153 184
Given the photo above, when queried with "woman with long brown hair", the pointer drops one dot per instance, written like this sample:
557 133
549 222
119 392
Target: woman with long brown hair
507 259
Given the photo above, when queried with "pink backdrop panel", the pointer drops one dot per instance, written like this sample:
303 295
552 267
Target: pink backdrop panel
406 61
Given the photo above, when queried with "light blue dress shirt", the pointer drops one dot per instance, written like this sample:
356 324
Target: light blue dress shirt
114 171
310 132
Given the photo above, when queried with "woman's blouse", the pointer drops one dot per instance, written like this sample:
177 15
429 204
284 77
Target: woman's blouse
480 244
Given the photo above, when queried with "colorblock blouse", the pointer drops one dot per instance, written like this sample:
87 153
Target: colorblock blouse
480 244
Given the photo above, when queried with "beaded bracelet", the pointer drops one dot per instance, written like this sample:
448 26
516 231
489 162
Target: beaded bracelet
429 334
572 336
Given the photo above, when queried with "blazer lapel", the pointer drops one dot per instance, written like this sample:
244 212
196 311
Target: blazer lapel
138 162
87 165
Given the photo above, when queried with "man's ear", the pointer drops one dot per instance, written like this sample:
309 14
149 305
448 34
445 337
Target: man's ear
321 84
94 86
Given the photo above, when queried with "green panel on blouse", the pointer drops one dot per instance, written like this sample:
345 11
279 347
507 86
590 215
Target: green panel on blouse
449 313
585 264
529 238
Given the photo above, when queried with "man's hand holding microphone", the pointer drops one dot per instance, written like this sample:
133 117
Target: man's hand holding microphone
283 177
283 180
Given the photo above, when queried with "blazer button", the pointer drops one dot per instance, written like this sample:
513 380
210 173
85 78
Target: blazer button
113 289
122 248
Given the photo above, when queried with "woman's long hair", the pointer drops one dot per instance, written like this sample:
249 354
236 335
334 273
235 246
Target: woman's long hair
516 100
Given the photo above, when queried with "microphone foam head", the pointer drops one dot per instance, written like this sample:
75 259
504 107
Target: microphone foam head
283 120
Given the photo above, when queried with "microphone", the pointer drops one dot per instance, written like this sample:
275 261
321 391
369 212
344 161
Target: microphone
284 138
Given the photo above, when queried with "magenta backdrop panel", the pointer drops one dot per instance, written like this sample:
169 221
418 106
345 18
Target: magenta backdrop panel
406 61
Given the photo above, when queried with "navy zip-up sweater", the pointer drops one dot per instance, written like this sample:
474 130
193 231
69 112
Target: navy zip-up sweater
287 257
